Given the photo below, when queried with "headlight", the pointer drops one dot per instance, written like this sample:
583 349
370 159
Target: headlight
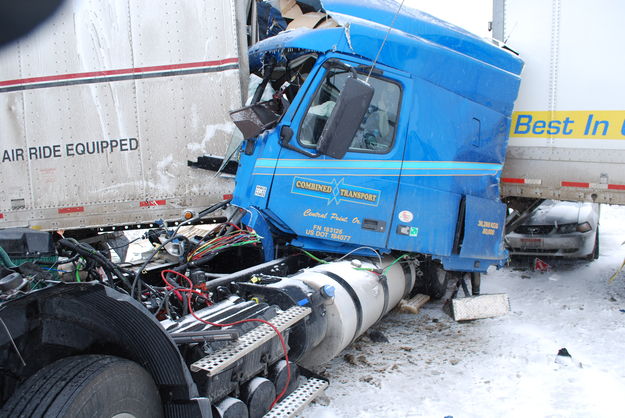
585 227
567 228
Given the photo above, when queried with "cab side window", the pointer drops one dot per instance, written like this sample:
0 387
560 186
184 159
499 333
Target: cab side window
377 128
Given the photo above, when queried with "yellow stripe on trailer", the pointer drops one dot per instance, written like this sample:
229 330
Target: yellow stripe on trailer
579 124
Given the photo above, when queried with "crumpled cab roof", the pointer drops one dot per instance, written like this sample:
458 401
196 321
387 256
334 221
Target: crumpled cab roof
418 44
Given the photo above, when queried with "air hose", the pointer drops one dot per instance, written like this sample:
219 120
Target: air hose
6 260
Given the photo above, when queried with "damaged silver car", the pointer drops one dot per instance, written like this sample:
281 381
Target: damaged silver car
555 228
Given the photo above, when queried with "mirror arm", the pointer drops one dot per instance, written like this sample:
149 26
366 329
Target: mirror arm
250 145
286 133
268 70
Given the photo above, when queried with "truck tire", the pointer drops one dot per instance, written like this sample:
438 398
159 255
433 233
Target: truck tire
437 284
433 282
87 386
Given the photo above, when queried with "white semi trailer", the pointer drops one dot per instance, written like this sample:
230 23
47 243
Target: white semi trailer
103 107
567 137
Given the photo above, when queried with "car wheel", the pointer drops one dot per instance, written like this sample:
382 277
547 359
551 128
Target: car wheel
87 386
595 250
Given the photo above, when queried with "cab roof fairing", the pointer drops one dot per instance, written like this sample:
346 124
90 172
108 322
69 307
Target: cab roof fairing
477 80
418 44
417 23
466 76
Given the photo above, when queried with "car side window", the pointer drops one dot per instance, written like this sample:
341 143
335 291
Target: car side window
377 128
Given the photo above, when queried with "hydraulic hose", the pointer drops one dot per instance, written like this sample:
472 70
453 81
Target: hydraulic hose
6 260
96 256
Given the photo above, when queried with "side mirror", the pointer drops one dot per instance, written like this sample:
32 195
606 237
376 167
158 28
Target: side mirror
254 119
345 118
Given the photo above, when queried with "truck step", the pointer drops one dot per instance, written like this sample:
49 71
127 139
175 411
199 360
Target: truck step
220 360
296 401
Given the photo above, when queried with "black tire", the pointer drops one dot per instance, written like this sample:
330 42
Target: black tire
435 280
87 386
595 249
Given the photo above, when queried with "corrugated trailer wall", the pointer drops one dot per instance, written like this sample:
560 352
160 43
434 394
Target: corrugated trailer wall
567 138
102 106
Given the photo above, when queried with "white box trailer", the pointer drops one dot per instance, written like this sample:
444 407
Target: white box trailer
102 107
567 137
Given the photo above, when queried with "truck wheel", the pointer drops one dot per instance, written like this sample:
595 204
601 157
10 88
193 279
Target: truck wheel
87 386
436 281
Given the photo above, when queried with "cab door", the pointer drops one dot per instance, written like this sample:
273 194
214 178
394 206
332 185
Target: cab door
348 200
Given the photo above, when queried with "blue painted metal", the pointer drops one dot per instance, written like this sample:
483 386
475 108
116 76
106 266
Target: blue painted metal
414 22
450 141
256 220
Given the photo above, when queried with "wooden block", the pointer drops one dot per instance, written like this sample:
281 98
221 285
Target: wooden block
413 305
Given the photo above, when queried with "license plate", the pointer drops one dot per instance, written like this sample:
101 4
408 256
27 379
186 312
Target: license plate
531 242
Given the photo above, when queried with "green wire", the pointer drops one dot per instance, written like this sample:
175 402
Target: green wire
385 269
203 249
401 257
313 257
78 267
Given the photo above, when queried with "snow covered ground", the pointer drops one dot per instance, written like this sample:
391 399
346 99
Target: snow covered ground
435 367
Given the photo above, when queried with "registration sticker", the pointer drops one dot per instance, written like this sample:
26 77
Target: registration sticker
261 191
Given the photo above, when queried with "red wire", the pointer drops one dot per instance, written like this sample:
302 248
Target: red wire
219 241
178 290
214 324
231 224
178 274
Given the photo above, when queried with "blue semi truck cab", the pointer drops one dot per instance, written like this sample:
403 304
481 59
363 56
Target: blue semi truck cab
418 172
386 143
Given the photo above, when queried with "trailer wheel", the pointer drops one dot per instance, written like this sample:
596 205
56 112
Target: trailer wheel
87 386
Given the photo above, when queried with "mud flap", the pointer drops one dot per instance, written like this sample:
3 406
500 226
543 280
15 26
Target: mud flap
479 307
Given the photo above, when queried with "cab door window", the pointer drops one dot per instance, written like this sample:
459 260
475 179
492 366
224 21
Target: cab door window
377 129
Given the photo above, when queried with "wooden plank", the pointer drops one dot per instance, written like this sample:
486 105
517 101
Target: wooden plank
414 304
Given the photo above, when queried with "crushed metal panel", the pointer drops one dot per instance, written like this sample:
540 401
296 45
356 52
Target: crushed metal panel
480 307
